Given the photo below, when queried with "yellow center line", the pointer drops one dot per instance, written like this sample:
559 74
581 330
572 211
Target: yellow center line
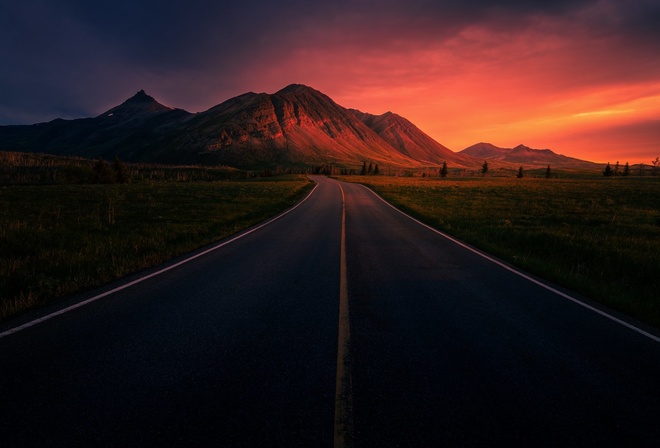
343 392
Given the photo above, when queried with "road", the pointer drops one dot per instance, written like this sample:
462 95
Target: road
436 345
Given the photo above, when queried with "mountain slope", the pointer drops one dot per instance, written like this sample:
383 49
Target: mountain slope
121 131
135 109
484 151
523 155
295 125
408 139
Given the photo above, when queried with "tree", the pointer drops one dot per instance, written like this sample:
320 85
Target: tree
608 170
376 170
548 174
616 168
371 168
520 174
626 170
102 172
364 169
656 165
484 168
120 171
443 171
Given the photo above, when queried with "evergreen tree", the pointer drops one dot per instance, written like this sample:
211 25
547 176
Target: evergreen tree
102 172
548 174
484 168
376 170
364 169
626 170
371 168
120 171
520 173
616 168
443 171
608 170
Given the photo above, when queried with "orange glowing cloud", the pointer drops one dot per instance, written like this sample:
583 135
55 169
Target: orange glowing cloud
548 84
578 77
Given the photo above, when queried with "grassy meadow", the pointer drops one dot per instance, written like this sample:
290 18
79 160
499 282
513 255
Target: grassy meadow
56 239
67 224
598 236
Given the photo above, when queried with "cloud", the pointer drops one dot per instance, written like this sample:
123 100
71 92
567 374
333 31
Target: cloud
455 67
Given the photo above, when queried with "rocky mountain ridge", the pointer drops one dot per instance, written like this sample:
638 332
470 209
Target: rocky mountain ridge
524 155
297 125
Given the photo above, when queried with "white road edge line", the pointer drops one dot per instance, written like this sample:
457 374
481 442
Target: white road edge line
153 274
522 274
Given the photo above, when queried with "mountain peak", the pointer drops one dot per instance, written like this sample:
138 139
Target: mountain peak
484 150
297 88
523 154
141 94
141 97
526 149
297 125
140 104
407 138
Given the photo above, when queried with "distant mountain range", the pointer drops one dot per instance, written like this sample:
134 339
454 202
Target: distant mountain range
523 155
295 126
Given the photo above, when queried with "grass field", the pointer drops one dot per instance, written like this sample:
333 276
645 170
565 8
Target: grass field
597 236
58 239
62 230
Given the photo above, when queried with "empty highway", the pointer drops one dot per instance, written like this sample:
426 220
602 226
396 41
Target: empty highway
340 322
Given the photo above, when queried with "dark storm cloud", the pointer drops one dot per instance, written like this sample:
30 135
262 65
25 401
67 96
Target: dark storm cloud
75 58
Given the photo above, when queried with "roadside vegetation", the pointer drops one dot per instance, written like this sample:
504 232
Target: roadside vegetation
67 224
598 236
64 228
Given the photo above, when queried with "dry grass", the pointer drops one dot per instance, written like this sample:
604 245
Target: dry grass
59 239
598 236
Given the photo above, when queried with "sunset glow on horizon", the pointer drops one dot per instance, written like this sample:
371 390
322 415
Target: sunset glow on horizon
579 77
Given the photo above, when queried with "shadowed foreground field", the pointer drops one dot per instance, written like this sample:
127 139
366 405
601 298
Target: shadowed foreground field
58 239
597 236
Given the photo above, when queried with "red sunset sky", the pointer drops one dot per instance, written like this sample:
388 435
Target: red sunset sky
579 77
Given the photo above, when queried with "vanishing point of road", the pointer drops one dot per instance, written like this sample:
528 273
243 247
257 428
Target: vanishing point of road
342 322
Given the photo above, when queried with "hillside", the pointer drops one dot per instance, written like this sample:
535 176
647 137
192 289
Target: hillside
128 131
297 125
407 138
523 155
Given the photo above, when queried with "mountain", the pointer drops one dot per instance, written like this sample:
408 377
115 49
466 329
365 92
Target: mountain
125 131
296 125
484 151
408 139
137 108
523 155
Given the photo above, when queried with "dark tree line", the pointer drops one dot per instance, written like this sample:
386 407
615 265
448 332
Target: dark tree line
104 173
609 171
371 169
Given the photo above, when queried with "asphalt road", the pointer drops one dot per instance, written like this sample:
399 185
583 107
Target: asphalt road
239 347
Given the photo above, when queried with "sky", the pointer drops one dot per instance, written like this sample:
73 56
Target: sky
580 77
